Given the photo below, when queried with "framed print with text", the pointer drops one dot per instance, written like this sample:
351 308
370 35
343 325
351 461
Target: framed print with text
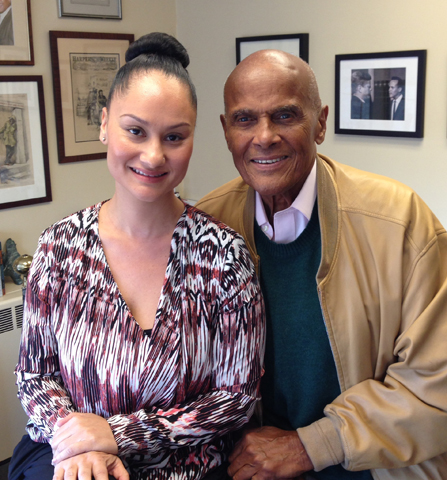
294 43
16 35
380 93
90 8
84 66
24 165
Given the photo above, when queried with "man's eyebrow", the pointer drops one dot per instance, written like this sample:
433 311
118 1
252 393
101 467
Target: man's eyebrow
242 112
287 108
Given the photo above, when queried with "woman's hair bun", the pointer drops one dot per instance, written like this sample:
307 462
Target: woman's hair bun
157 43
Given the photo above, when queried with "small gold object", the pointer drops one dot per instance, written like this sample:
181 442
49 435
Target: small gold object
22 265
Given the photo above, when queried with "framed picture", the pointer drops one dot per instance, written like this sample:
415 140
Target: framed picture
16 36
294 43
380 93
90 8
84 66
24 166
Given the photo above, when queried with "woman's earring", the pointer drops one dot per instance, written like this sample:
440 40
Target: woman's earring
103 139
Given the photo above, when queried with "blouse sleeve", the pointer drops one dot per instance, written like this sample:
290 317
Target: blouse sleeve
237 356
40 387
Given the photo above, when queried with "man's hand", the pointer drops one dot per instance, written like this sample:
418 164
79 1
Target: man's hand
81 433
268 453
97 465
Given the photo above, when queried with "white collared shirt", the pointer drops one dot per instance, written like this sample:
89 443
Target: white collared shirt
290 223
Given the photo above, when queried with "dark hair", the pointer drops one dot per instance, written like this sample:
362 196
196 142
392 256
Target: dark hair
400 81
154 51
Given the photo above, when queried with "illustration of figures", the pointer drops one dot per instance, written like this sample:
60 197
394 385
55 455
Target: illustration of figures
8 135
102 100
92 106
6 30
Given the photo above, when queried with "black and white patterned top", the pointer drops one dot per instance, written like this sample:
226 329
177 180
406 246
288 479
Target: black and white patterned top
170 398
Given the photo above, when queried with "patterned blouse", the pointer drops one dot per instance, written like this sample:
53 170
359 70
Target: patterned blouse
171 398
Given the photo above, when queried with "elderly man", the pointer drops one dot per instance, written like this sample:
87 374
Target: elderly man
354 273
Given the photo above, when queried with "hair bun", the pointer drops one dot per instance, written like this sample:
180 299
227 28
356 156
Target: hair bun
161 44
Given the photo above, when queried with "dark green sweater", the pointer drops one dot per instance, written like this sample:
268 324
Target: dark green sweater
300 375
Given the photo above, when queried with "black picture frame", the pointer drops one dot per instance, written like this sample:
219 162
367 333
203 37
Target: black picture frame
398 76
24 164
295 43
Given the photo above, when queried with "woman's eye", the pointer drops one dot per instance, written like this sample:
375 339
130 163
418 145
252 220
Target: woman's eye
173 137
135 131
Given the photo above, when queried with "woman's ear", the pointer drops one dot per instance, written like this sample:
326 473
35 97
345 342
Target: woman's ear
103 129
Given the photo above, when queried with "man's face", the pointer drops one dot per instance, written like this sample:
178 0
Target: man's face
364 91
4 4
394 90
271 128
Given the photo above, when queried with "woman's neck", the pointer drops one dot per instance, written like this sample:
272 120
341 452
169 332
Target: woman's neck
139 219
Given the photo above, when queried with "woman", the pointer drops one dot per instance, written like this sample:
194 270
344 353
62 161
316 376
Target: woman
111 370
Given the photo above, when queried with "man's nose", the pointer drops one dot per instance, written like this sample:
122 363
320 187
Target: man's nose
266 133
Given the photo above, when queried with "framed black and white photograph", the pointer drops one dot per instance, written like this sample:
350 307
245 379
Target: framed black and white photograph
24 165
84 66
380 93
295 43
16 35
91 8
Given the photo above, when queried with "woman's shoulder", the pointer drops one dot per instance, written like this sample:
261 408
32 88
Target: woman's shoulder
202 223
72 225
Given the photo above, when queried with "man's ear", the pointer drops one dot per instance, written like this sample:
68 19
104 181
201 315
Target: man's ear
322 125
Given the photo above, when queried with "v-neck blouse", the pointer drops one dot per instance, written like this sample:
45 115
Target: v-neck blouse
170 398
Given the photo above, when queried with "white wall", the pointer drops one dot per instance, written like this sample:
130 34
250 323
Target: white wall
208 29
74 185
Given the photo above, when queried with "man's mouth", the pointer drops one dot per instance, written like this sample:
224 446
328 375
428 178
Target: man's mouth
139 172
269 161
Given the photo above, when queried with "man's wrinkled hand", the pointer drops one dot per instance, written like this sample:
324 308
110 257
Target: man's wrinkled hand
268 453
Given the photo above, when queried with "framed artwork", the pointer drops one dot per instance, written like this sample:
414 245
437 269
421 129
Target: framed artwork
84 66
24 166
90 8
294 43
380 93
16 35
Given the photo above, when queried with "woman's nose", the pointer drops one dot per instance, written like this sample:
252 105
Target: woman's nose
152 153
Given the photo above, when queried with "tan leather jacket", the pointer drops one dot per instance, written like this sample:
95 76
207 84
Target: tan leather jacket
382 285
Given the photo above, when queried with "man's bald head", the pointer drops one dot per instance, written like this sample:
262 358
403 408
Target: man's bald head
269 62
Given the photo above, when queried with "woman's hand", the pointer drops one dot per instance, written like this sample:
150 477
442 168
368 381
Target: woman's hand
97 465
81 433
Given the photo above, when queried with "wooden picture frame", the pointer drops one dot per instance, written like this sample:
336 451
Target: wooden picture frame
16 35
380 94
294 43
84 66
107 9
24 164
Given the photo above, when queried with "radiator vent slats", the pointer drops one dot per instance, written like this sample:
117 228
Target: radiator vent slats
19 315
6 324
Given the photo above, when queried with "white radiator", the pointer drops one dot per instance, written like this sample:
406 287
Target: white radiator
12 417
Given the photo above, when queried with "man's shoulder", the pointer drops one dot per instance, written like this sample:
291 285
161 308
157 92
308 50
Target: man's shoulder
234 187
227 203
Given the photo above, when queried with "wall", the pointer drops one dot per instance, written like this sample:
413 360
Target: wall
208 29
74 185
